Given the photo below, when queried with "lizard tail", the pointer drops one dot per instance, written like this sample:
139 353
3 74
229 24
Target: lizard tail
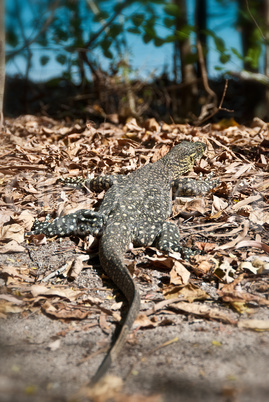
111 261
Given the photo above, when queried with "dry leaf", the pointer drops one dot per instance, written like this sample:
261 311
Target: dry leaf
206 247
69 294
142 321
218 205
152 125
12 232
11 247
106 389
64 312
252 243
77 266
11 299
190 292
54 345
204 311
8 307
179 275
254 324
162 262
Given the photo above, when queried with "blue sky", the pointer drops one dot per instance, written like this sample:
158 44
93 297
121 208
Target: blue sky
145 59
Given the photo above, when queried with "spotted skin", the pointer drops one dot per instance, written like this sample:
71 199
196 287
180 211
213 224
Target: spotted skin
96 184
134 210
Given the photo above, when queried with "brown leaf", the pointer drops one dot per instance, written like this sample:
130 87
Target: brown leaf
190 292
142 321
11 247
64 312
11 299
7 307
254 324
205 246
252 243
13 272
204 311
152 125
162 262
69 294
108 388
12 232
179 275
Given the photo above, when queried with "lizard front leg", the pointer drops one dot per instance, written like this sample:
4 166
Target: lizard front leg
186 186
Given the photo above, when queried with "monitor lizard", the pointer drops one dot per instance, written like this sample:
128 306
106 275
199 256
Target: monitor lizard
134 211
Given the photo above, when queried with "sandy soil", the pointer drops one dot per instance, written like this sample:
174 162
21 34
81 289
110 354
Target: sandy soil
210 361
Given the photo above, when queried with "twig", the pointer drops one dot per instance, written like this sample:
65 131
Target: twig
207 88
216 109
105 25
55 273
255 22
163 304
201 58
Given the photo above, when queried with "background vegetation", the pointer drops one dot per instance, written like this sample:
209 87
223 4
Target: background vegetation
71 34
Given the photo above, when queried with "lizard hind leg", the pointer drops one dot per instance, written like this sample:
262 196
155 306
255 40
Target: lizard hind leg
169 240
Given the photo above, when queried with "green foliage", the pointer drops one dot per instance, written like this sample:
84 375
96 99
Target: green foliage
74 26
61 58
12 38
101 16
105 45
252 57
44 60
172 9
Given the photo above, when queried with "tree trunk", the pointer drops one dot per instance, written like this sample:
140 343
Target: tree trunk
201 25
266 16
182 51
2 60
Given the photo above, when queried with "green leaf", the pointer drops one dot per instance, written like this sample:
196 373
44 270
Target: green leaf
169 22
108 54
150 31
184 32
224 58
146 38
105 44
138 19
171 38
60 35
61 59
158 42
134 30
218 68
12 38
115 30
252 57
44 60
172 9
102 15
235 51
219 42
42 40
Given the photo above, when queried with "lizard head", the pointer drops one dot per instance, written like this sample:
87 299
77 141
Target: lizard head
182 157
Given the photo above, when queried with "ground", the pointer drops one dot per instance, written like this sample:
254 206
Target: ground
202 334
